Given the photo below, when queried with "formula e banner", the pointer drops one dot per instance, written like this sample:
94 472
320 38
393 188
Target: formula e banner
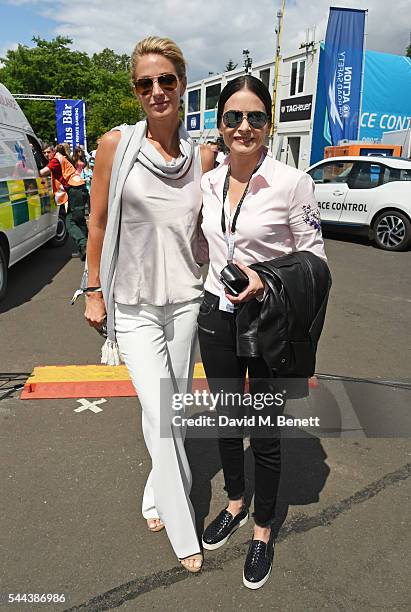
387 93
343 56
71 122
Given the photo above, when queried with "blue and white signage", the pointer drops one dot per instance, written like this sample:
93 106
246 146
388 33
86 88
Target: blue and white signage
385 102
387 93
71 122
193 122
343 56
210 119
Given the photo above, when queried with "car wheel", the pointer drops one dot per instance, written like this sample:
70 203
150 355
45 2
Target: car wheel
3 273
392 231
61 233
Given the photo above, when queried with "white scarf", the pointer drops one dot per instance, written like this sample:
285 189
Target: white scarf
132 146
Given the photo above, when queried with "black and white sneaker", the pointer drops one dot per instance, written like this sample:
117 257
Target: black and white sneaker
258 564
222 527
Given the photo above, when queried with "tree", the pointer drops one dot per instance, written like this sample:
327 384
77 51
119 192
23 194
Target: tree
110 61
109 108
408 51
230 66
49 68
52 67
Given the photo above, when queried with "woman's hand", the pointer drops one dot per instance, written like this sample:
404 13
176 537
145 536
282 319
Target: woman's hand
207 158
254 289
95 309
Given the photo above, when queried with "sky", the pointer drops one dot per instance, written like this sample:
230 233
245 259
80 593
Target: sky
210 32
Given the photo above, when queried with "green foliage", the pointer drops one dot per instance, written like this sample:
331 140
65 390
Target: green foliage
408 51
53 68
109 108
110 61
230 66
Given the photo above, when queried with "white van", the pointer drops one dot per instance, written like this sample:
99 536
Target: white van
29 216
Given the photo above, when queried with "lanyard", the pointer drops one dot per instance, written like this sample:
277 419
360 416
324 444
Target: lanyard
238 208
230 236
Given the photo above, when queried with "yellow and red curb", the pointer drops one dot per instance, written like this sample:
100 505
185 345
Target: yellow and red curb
53 382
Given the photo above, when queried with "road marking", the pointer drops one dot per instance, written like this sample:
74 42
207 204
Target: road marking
93 406
300 524
350 424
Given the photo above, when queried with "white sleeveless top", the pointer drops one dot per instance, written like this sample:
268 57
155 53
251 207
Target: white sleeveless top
157 232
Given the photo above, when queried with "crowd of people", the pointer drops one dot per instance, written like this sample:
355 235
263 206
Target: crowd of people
71 175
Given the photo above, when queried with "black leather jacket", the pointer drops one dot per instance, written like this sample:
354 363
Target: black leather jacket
285 327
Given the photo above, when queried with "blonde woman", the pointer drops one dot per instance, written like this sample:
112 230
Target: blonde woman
143 276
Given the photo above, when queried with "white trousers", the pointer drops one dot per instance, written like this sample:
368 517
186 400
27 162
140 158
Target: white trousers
158 347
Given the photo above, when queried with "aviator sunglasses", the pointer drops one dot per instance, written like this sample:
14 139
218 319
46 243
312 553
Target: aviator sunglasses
233 118
167 82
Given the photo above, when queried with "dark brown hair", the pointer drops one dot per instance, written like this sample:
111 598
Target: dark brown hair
245 82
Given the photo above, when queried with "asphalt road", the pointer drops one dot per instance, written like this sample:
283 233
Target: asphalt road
71 482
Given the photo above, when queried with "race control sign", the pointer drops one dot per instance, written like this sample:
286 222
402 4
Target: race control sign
351 206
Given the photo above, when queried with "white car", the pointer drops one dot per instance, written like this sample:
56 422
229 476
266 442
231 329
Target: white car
366 194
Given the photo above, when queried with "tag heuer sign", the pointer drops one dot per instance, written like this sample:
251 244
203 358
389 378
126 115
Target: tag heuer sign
296 109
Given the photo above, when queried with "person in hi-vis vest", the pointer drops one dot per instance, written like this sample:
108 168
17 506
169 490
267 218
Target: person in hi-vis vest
68 188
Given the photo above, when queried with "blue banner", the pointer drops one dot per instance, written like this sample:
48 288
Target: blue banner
387 93
71 122
193 122
385 102
343 56
210 119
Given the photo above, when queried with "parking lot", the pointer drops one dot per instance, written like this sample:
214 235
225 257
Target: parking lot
72 481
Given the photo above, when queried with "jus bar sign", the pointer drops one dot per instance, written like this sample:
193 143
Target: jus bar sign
296 109
343 56
71 122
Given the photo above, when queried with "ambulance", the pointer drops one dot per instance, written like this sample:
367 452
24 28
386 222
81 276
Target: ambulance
29 216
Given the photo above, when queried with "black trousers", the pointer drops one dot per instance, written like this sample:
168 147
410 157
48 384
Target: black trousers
226 372
76 216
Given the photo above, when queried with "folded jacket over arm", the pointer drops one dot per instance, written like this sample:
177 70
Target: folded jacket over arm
285 327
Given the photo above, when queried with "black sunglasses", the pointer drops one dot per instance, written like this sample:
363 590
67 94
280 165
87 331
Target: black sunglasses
257 119
167 82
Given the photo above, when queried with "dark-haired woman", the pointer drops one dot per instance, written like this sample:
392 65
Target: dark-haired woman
254 209
84 170
79 158
64 149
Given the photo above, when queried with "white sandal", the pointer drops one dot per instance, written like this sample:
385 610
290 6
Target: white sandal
197 557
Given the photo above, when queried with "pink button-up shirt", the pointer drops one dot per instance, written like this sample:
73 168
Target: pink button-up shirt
279 215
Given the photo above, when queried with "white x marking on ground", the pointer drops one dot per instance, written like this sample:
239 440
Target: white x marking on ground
93 406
